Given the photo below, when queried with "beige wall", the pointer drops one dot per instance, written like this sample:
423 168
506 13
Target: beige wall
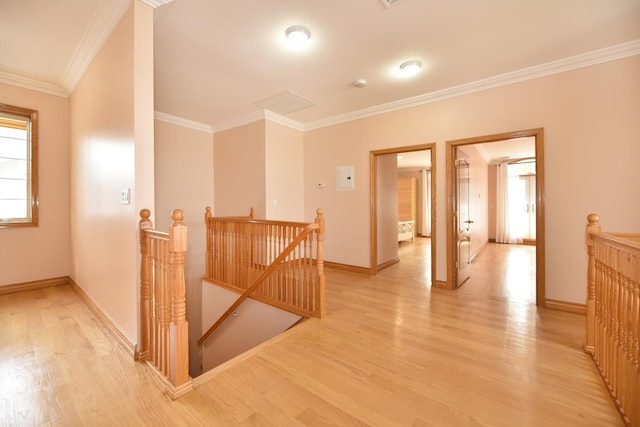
284 173
112 149
347 216
35 253
239 170
590 116
184 179
260 165
252 323
387 207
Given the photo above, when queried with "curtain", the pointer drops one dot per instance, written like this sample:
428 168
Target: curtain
425 204
506 229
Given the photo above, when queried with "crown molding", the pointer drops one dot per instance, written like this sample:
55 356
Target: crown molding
595 57
239 121
31 84
612 53
156 3
168 118
285 121
102 24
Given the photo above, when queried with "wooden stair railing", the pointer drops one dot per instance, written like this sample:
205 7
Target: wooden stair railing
244 254
613 314
210 241
164 330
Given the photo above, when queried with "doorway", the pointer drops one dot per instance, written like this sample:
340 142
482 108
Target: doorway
376 158
453 212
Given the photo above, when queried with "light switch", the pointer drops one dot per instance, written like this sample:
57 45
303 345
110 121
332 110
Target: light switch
124 196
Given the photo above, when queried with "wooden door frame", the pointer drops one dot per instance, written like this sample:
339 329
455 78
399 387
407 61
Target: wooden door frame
373 175
538 134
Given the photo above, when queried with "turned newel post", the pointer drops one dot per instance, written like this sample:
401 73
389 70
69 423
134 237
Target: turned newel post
320 294
145 287
593 227
179 327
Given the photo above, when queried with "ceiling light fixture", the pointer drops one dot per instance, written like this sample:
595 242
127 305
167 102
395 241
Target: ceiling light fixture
410 68
298 35
360 83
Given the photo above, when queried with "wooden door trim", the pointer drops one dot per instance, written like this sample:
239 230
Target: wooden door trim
538 133
373 174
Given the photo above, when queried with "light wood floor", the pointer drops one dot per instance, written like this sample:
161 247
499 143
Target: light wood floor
392 351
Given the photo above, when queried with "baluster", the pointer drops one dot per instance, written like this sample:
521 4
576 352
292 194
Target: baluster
166 309
634 378
623 313
145 291
319 307
179 327
155 298
612 328
593 227
209 237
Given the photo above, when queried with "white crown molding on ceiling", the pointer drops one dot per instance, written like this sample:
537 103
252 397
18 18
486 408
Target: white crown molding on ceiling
102 24
574 62
256 116
31 84
107 17
240 121
285 121
99 29
157 3
168 118
389 3
612 53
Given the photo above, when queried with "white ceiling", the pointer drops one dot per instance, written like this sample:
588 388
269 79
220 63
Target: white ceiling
214 60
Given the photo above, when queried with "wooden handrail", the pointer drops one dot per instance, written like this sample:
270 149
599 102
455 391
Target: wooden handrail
299 238
208 215
613 314
239 249
164 330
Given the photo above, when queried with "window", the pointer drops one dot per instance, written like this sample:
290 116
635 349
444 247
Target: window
18 166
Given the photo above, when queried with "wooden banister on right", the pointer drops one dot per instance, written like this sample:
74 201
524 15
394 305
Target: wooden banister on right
613 314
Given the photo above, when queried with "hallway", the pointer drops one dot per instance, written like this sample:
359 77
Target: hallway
499 271
391 352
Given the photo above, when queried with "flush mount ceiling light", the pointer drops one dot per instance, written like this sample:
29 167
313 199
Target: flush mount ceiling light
410 68
298 35
360 83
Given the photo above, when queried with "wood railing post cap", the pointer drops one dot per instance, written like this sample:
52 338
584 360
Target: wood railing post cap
178 216
145 213
319 211
593 218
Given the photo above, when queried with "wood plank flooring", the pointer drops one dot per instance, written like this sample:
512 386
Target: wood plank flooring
392 351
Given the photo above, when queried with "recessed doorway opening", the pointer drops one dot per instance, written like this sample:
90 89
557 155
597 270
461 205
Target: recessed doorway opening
463 218
389 176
